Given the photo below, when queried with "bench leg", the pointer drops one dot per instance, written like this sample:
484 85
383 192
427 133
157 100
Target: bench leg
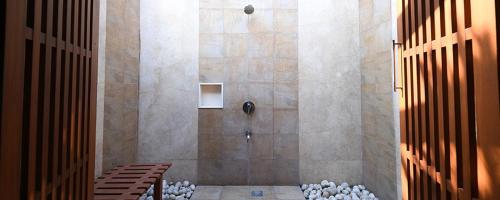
158 189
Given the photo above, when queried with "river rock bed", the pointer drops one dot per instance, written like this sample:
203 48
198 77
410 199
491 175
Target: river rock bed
172 191
328 190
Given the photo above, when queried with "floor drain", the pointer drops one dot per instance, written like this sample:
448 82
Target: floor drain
257 193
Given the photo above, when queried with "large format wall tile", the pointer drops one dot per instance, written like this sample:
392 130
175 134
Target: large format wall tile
261 45
211 45
329 91
286 121
253 69
211 21
235 45
285 4
119 138
168 115
315 171
381 166
286 146
212 3
235 21
285 21
261 70
212 70
261 21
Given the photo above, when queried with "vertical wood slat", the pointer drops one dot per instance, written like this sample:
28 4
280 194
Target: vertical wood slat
430 104
487 95
57 103
2 49
402 110
420 99
451 133
66 105
46 110
33 105
414 103
440 105
79 97
87 102
12 98
409 99
74 101
464 104
84 102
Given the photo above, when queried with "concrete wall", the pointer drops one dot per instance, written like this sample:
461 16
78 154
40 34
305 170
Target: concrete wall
329 91
168 114
256 58
380 138
121 83
100 88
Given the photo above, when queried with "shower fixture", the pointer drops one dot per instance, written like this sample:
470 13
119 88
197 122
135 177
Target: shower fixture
248 107
248 134
249 9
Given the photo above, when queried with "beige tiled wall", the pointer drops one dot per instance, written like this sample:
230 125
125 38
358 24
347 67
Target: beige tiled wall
100 89
256 58
121 83
380 166
324 110
168 114
329 91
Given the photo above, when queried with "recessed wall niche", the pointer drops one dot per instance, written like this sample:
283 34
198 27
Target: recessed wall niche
211 95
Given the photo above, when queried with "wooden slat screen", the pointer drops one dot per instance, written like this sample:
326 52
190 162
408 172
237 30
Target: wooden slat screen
49 85
449 102
2 49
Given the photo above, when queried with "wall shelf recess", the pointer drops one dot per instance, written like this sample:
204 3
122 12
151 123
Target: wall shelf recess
211 95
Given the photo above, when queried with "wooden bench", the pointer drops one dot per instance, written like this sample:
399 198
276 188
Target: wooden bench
129 182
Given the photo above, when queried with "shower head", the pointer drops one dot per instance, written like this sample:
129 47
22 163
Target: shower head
249 9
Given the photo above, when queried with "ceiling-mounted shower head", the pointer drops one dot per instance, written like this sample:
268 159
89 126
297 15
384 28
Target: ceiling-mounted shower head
249 9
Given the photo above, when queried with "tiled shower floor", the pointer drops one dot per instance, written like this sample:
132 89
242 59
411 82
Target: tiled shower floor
244 193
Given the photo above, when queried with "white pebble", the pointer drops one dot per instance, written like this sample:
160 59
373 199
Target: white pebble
330 191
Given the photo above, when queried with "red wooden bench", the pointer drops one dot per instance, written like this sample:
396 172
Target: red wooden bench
129 182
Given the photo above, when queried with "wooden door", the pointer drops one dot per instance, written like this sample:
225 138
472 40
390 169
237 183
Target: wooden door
448 84
48 98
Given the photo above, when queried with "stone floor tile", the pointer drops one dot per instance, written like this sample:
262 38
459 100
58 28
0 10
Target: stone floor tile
244 193
207 193
287 192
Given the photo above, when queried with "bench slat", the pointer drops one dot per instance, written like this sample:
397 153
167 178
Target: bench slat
129 181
